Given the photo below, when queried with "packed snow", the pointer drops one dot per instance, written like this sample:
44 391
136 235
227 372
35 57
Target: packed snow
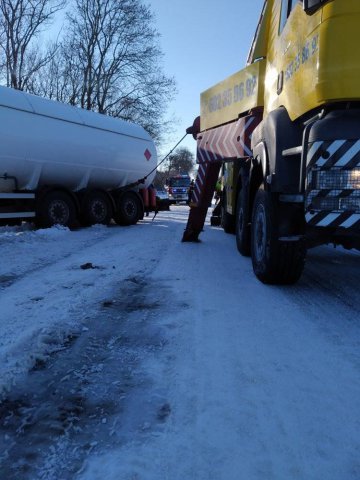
128 355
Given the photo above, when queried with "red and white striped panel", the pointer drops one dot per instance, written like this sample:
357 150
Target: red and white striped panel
200 182
228 141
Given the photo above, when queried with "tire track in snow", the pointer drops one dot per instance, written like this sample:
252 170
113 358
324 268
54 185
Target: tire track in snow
91 394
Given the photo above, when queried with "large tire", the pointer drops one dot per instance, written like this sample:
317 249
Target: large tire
96 209
274 261
129 209
56 208
227 220
242 225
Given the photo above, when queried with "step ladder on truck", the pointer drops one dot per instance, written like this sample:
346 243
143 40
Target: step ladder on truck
286 132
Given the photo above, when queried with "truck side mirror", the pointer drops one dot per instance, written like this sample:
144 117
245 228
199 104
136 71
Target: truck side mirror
310 6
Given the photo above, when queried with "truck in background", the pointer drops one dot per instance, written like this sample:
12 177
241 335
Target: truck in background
178 188
64 165
287 131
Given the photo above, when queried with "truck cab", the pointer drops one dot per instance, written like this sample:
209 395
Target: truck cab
310 56
178 187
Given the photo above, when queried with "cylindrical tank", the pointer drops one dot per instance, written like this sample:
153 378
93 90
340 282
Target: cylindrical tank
44 142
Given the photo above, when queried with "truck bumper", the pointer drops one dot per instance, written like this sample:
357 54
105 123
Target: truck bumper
178 198
332 185
16 206
332 196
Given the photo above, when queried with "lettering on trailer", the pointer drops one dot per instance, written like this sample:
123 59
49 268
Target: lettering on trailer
233 95
304 54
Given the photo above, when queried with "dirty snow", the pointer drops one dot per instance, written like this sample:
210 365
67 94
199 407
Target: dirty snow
127 355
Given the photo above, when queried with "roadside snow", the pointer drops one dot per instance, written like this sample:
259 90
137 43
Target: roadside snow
210 374
262 386
44 292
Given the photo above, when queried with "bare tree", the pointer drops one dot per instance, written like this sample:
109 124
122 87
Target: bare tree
60 79
181 161
21 23
110 63
160 179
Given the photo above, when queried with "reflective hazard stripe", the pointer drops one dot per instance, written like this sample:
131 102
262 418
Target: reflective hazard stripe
313 150
334 147
227 141
351 221
349 155
330 218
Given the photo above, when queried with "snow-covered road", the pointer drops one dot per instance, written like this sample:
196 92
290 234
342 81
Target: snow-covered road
127 355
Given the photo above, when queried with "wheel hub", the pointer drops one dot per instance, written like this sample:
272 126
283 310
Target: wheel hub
98 210
260 233
59 212
129 208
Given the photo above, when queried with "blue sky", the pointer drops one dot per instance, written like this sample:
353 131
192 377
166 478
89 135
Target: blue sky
203 41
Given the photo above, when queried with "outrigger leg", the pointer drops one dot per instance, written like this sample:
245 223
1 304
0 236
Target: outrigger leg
201 200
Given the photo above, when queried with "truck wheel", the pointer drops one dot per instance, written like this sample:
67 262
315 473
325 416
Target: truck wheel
242 227
227 220
96 209
128 209
274 261
56 208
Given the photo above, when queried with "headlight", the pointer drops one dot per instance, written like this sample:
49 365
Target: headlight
335 204
350 203
355 178
335 179
344 186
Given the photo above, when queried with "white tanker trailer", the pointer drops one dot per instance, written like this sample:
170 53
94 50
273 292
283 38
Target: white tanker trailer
61 164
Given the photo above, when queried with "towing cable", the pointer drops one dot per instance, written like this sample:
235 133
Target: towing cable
163 160
142 180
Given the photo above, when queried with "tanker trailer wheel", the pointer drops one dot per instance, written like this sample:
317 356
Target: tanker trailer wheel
56 208
96 209
274 261
129 209
242 227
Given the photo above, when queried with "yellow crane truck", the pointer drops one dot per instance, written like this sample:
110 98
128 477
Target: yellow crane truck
285 131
